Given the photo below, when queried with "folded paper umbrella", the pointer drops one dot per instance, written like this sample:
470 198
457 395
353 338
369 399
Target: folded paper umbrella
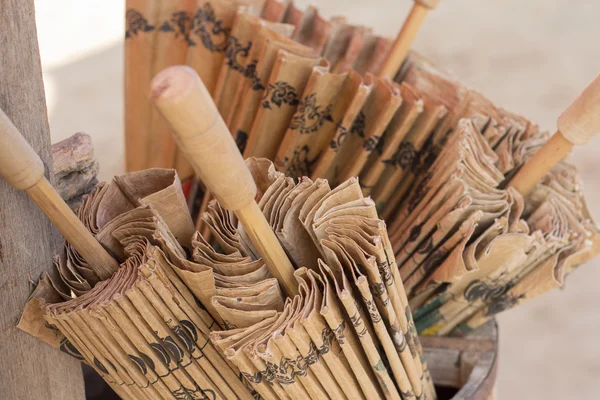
179 93
229 41
465 181
154 328
500 251
151 343
246 54
434 155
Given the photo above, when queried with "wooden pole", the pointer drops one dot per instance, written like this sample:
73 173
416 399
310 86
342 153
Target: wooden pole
405 37
576 126
31 369
202 135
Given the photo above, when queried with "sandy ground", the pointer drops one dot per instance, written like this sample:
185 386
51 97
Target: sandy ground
530 57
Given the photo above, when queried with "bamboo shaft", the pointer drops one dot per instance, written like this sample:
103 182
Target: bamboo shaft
555 150
50 202
576 126
403 41
268 246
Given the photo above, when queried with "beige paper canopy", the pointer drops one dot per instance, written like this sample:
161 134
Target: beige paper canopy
434 155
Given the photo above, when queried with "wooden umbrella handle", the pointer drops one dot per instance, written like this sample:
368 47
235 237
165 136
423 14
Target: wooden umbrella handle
23 169
405 37
576 126
202 135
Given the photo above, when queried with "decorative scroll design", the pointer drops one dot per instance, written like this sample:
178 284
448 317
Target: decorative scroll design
250 71
278 94
404 157
236 54
210 30
310 115
135 23
180 24
299 164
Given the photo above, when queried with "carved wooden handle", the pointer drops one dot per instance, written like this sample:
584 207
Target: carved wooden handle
576 126
23 169
20 165
202 135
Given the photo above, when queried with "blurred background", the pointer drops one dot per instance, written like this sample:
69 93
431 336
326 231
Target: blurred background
530 57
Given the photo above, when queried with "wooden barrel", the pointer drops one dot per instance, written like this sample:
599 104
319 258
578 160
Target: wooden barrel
464 368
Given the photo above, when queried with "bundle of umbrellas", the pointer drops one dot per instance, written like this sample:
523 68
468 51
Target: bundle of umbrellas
314 96
243 51
154 329
293 287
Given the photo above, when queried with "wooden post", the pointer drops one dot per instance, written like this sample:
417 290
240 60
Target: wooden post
30 368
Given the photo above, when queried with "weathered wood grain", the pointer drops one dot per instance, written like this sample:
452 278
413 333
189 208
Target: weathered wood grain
30 369
467 363
75 168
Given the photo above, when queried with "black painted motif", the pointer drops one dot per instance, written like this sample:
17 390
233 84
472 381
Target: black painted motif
278 94
360 125
143 362
299 164
313 354
479 290
503 303
235 56
183 335
404 157
340 137
213 35
339 332
180 24
371 143
287 370
310 116
253 378
415 231
373 311
434 260
65 344
67 347
419 193
135 23
377 289
184 393
250 72
327 336
386 273
426 246
100 366
241 140
359 327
